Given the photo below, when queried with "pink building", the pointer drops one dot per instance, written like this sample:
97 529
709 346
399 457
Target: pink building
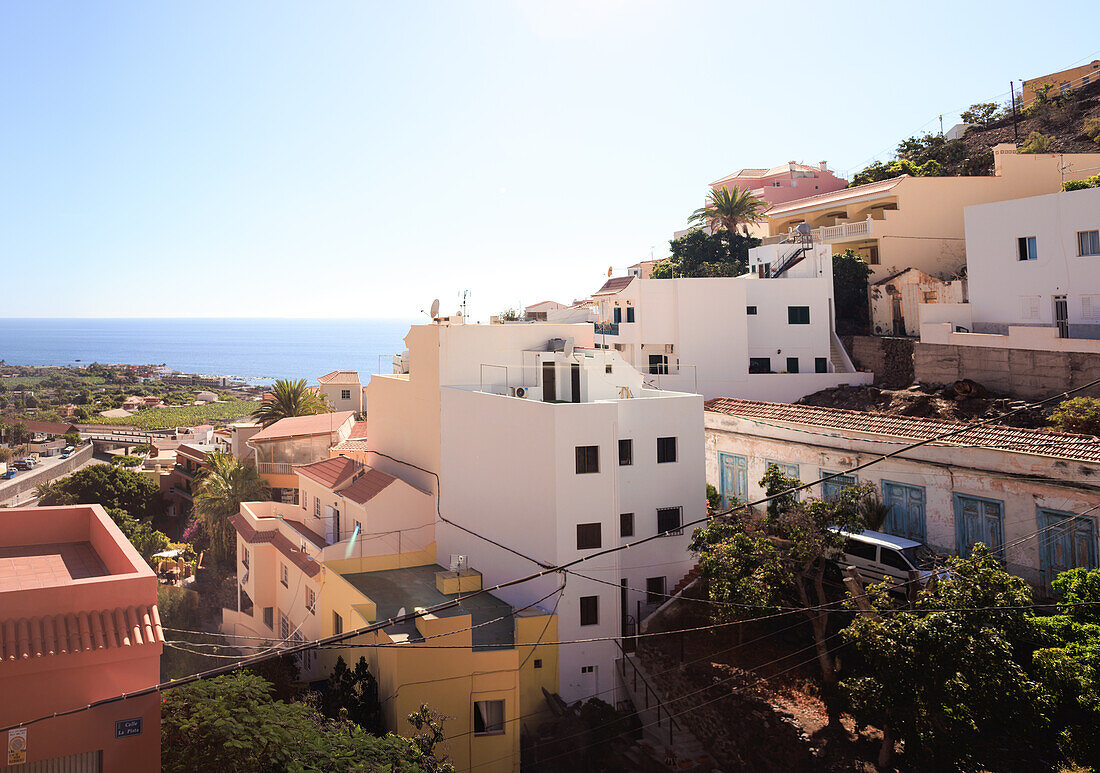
78 623
784 183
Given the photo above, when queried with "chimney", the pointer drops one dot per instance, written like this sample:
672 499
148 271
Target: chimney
824 166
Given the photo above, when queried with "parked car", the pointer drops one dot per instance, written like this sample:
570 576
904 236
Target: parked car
67 451
10 472
21 464
879 556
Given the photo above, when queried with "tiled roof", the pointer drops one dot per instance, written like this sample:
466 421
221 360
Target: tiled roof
358 430
367 486
274 537
49 427
340 377
294 426
836 197
75 632
614 284
329 472
997 437
352 444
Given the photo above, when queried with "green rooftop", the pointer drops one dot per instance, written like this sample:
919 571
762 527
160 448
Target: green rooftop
392 590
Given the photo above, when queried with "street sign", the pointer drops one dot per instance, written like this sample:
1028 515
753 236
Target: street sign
124 728
17 746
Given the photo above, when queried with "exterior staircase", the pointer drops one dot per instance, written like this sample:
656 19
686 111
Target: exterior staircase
839 357
666 743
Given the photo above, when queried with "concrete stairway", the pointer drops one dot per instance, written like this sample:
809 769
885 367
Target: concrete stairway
658 750
838 356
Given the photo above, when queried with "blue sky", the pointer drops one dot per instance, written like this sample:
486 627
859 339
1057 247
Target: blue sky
358 159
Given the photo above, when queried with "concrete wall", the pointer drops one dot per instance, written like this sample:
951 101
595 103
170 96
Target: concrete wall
21 487
1024 373
890 359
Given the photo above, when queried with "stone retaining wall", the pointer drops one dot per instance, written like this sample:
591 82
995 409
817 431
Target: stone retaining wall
18 489
1024 373
889 358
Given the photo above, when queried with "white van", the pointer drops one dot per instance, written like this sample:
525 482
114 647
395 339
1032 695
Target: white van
878 556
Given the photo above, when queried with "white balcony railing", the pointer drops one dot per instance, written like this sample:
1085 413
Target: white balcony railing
275 468
829 233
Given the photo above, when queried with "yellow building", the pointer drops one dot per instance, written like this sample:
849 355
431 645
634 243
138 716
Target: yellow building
1063 81
358 548
917 222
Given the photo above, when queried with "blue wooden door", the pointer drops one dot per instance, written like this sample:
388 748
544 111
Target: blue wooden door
906 516
734 482
979 520
1068 541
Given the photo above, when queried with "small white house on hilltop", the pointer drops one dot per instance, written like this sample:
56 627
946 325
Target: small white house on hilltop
766 335
342 390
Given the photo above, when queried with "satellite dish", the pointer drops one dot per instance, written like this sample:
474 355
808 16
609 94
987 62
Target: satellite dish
569 348
610 270
435 309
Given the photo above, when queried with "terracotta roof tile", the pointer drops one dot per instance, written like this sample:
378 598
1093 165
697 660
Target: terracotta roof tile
49 427
340 377
358 430
836 197
367 486
253 537
329 472
614 284
76 632
1082 448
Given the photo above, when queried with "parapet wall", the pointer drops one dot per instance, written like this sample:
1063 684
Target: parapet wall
890 359
1025 373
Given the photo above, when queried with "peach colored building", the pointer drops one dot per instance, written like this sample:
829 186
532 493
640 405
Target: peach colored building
293 441
1062 81
784 183
79 624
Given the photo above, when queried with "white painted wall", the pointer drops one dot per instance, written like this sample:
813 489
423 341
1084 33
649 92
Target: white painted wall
1003 289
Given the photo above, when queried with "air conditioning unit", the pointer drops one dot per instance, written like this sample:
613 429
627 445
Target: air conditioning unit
458 562
518 391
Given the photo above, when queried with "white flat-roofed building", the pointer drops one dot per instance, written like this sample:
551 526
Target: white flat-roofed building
556 449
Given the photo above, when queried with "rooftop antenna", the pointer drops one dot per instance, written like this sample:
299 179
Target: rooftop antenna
465 295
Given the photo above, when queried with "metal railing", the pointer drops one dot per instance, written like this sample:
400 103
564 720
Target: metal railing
275 468
827 233
606 328
649 690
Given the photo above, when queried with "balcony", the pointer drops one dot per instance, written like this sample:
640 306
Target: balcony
830 233
607 328
275 468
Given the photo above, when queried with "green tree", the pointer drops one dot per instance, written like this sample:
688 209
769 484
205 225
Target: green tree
701 254
289 398
352 693
219 492
112 487
1078 414
729 209
232 723
983 113
950 677
850 275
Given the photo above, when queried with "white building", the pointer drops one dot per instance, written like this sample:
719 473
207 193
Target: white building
1025 493
1034 276
342 390
767 334
553 448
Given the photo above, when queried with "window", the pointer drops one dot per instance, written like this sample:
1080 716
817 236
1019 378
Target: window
311 601
588 536
590 610
1090 307
792 365
655 590
284 575
617 315
931 296
668 521
832 488
750 310
316 507
488 717
588 459
629 313
893 559
607 367
626 524
269 617
244 557
284 627
666 450
337 623
859 549
1026 248
626 452
821 365
345 394
588 669
760 365
658 364
1088 242
537 663
798 315
788 470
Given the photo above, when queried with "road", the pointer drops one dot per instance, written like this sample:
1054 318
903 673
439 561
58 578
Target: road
54 461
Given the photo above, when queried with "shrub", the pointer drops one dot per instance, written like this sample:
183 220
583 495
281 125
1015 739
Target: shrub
1037 142
982 113
1079 414
1092 129
1079 185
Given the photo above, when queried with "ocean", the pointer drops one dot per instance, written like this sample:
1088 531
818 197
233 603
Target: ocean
254 350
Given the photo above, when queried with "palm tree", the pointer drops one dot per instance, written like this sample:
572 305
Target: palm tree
219 492
730 210
289 398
